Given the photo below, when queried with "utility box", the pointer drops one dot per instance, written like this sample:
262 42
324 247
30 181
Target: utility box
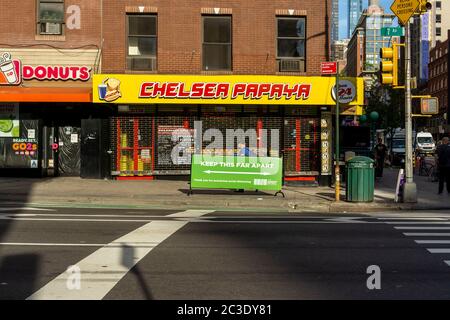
360 179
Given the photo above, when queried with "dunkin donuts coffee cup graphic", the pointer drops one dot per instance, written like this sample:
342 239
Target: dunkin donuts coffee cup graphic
8 68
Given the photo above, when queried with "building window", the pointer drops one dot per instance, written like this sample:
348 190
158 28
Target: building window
50 17
217 46
438 4
438 18
438 32
142 42
291 43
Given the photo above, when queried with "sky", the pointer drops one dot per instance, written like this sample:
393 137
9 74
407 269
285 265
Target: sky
343 10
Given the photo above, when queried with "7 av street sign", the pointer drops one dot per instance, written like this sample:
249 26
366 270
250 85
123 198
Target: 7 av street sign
404 9
392 32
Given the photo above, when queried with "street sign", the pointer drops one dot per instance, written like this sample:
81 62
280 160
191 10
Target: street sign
404 9
329 67
429 105
233 172
392 32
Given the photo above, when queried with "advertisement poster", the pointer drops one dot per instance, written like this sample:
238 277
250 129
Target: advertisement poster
230 172
21 151
9 120
169 140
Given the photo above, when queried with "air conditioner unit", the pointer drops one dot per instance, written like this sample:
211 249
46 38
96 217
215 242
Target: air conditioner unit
288 65
142 63
52 28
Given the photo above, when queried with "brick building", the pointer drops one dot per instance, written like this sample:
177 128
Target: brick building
438 87
160 66
51 50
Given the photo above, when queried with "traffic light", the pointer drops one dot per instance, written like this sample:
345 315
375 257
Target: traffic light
424 6
389 66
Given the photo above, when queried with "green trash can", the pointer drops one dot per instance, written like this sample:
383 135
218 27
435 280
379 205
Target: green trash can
360 179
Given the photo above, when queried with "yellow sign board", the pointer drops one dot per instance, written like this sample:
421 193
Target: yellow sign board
225 89
404 9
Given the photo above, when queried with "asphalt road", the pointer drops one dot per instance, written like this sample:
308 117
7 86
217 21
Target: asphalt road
201 254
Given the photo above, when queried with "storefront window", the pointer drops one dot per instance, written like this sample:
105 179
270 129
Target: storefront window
50 16
217 48
142 42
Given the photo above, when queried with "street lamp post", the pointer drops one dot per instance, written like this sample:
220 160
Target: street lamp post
410 188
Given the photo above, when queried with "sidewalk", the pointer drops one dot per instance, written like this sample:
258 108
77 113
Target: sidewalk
68 191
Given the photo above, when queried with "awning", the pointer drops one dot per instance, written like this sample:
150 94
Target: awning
39 94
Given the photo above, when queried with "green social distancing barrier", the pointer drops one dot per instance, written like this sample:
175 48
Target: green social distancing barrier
235 172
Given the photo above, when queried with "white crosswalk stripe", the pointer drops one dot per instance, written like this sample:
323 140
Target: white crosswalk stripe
104 268
432 237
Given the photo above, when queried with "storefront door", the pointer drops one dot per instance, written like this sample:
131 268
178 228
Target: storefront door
69 151
301 146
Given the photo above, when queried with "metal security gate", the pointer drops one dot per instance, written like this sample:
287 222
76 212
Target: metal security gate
170 131
301 146
266 129
132 148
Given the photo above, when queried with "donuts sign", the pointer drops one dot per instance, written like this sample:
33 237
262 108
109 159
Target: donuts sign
12 72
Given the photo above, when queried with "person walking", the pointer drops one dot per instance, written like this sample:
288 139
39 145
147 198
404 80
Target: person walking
380 157
443 158
245 151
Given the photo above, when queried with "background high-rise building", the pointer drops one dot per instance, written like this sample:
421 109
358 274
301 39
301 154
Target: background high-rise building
439 21
355 8
335 21
363 55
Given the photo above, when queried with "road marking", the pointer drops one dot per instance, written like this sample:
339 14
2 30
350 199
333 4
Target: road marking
104 268
447 262
422 228
20 215
418 222
47 244
420 234
439 250
432 241
425 219
346 220
25 208
190 214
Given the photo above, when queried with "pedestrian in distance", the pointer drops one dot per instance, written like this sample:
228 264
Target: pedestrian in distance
245 151
443 158
380 157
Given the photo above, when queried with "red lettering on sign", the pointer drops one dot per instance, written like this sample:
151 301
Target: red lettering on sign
27 72
197 90
303 91
222 90
264 88
159 89
144 92
252 91
239 88
182 93
209 91
52 73
171 90
276 91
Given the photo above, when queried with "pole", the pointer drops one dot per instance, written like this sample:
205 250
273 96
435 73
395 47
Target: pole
337 184
410 188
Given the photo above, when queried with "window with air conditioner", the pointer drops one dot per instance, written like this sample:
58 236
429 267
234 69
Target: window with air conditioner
291 44
142 42
50 17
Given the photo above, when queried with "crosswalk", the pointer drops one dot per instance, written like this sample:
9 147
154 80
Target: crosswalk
426 232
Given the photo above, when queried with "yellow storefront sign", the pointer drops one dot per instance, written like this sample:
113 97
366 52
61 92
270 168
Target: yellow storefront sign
236 89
